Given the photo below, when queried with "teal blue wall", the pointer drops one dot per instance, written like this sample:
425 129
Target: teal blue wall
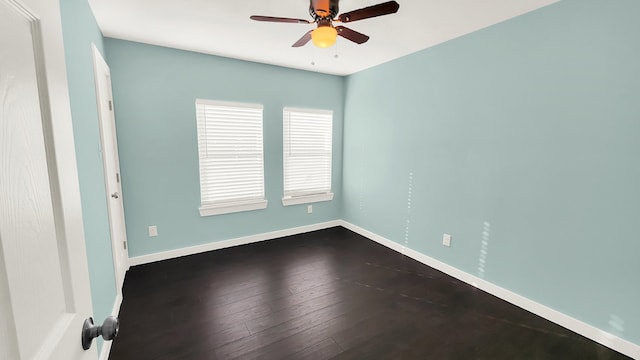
79 31
524 135
154 92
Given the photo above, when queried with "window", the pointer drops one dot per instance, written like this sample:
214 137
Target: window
307 156
231 158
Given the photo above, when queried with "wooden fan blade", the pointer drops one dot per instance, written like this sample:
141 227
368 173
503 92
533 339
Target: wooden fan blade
279 19
303 40
352 35
389 7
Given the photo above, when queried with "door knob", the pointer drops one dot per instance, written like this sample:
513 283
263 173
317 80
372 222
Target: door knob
115 195
108 330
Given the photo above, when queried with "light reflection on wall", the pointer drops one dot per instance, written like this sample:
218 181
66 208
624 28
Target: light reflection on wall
616 327
362 177
484 249
408 222
361 200
616 323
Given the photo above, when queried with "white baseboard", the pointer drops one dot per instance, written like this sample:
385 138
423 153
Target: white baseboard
623 346
164 255
106 345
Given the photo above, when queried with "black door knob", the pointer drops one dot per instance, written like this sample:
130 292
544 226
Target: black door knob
108 330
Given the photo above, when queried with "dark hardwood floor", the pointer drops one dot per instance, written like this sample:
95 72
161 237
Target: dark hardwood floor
329 294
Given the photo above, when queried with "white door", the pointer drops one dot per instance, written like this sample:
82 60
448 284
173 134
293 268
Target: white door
44 282
111 165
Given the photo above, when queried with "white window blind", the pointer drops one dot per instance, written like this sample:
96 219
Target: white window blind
307 155
231 157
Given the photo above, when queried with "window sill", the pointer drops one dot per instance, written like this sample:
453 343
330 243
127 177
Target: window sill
306 199
219 209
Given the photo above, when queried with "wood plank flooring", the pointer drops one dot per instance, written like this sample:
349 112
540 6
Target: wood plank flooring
329 294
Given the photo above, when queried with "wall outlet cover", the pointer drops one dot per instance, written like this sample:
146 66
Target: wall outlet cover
446 240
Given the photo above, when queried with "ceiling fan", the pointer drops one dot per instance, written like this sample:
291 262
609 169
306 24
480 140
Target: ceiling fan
325 13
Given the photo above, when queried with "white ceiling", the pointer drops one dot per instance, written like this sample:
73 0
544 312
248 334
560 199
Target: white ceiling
223 28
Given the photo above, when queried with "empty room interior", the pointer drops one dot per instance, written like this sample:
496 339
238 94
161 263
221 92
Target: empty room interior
468 186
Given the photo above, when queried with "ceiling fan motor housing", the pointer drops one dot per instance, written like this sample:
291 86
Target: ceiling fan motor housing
323 9
324 13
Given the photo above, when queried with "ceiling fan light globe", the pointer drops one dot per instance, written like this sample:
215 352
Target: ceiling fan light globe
324 36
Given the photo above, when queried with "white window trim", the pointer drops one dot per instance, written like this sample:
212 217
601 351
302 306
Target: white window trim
232 207
306 198
218 208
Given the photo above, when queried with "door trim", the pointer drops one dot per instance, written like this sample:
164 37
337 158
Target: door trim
116 247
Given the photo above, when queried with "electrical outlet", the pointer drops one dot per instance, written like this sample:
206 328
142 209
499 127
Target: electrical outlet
446 240
309 209
153 231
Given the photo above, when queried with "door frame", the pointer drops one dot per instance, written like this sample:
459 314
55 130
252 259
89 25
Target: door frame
118 246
